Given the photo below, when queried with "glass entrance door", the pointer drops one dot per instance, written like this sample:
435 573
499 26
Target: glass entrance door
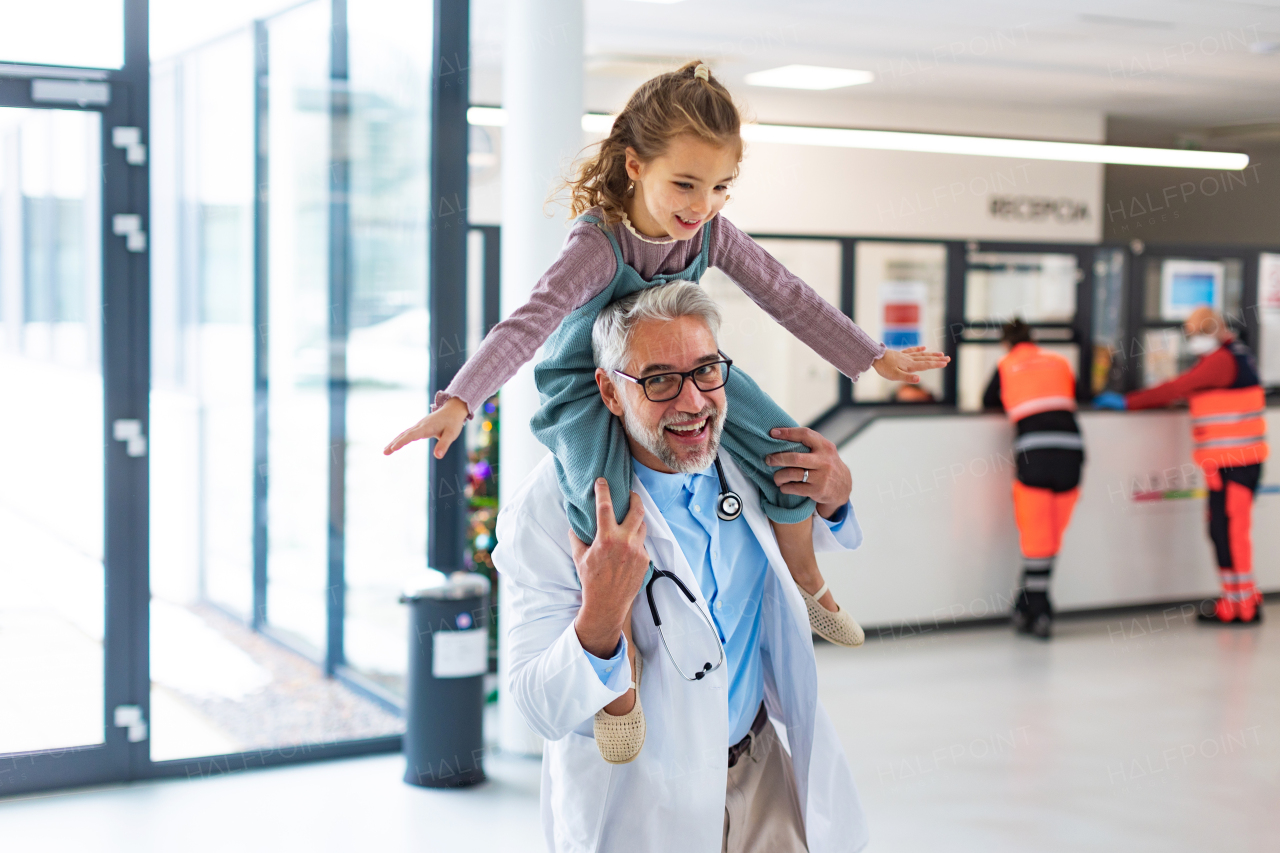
51 437
73 428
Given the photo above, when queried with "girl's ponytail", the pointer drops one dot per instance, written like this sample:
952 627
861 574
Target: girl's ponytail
688 100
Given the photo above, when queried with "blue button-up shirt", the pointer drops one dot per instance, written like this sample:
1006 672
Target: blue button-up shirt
730 567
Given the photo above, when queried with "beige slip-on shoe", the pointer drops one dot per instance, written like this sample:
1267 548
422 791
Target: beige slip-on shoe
619 739
839 627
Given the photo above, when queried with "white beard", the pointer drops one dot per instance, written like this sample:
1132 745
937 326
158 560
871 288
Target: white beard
655 440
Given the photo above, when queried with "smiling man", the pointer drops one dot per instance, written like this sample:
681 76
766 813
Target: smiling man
721 628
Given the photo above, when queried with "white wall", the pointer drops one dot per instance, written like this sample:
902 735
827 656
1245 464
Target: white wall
791 189
933 496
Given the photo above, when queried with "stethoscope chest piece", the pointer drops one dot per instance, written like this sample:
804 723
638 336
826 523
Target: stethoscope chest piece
728 504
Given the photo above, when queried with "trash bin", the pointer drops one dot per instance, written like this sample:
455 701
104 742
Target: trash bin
448 658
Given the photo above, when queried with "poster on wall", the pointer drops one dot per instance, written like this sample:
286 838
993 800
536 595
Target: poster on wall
1187 285
902 304
1269 318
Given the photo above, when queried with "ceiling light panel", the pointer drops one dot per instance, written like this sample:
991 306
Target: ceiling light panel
809 77
982 146
938 143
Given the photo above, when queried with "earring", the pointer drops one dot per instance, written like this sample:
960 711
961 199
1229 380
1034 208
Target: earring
631 189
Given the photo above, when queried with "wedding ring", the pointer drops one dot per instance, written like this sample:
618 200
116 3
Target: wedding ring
806 476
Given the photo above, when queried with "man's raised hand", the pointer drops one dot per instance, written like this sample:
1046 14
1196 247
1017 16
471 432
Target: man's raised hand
611 569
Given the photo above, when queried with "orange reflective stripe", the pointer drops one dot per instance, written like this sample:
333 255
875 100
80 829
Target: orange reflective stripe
1033 380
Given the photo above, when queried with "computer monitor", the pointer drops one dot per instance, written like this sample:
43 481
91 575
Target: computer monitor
1186 285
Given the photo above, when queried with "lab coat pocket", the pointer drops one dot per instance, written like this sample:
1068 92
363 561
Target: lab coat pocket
581 789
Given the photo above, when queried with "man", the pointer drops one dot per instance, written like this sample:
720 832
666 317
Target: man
713 773
1037 390
1228 427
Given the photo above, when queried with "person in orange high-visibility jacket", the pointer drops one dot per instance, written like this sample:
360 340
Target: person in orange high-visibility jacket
1037 391
1228 432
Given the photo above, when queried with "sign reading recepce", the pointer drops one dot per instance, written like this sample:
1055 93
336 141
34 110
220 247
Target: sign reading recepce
1029 208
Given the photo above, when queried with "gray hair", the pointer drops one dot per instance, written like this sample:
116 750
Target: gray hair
611 334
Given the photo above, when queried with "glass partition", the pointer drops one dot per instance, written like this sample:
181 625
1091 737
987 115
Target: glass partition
1109 349
796 377
203 329
1039 288
1269 318
387 351
344 355
1173 287
298 331
900 292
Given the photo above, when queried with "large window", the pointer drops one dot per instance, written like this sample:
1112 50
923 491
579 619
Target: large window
289 344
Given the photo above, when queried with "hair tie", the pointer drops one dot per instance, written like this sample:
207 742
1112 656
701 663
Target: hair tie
702 71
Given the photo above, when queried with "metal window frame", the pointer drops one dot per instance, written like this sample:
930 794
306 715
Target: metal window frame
447 269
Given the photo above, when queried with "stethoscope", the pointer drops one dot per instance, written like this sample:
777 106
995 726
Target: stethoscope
728 508
728 504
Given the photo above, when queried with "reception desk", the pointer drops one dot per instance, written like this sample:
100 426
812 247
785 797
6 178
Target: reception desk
931 489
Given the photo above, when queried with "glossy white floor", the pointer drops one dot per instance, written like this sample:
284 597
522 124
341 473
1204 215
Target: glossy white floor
1144 733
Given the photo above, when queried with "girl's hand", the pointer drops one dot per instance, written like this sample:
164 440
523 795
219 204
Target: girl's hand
443 425
898 365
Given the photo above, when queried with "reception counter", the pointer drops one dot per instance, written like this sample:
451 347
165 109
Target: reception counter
932 491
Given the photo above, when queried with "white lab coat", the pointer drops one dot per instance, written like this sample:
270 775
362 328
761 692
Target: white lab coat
671 798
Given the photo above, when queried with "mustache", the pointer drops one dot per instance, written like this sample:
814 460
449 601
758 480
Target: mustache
707 411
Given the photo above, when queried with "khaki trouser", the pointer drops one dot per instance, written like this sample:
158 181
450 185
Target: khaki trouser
761 809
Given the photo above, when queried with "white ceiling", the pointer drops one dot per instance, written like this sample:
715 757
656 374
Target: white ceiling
1188 63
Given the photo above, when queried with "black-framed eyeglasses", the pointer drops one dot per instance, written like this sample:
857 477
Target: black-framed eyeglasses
662 387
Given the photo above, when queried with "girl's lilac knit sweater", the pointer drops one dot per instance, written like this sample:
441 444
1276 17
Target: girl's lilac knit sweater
586 264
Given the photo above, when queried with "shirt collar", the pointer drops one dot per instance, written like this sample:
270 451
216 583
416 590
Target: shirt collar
665 488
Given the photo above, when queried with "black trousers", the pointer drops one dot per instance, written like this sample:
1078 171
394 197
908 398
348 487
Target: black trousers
1229 520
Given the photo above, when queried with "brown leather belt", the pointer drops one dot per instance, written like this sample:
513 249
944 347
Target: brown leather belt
757 726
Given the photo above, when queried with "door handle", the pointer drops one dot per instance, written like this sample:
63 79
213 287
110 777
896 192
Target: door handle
130 432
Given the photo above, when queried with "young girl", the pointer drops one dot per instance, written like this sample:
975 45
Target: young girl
646 205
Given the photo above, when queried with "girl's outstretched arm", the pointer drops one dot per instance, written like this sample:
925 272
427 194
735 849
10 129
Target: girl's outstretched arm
584 266
444 425
898 365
